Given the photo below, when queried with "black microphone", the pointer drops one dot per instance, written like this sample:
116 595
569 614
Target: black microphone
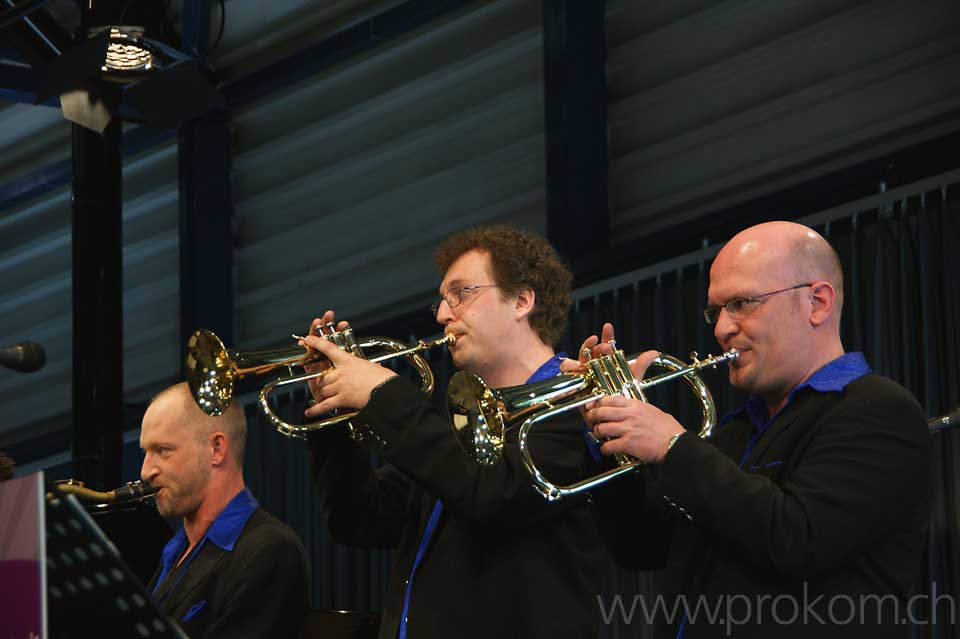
945 422
25 357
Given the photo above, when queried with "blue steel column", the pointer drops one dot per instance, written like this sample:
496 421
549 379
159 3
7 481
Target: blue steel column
206 240
575 122
97 306
206 207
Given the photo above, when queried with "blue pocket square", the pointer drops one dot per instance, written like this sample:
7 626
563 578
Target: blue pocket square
767 465
195 610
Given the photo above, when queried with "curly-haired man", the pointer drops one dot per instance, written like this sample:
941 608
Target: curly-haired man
479 553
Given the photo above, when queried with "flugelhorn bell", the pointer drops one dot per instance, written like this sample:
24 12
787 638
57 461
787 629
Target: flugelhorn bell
213 371
482 416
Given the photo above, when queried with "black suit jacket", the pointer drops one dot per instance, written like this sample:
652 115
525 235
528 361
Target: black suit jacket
259 590
830 507
503 562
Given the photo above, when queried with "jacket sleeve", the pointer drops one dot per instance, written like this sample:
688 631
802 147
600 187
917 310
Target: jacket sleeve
360 506
421 443
860 475
635 528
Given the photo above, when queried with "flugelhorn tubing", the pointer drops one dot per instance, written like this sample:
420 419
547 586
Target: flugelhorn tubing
132 491
695 367
422 345
395 349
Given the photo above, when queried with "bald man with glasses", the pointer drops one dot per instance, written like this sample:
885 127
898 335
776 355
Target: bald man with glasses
805 514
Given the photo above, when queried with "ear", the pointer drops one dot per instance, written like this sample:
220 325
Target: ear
823 297
526 300
219 447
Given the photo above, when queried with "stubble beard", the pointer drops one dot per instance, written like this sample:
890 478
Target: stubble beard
186 498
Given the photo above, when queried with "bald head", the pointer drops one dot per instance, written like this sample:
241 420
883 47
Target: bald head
778 288
233 423
788 252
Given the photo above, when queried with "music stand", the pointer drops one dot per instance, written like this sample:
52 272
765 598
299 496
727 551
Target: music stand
90 591
137 531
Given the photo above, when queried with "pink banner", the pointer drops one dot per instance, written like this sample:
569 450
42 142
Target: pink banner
22 591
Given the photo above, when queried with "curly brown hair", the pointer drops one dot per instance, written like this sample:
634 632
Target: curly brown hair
519 259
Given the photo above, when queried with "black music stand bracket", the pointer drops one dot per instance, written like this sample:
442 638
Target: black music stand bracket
91 592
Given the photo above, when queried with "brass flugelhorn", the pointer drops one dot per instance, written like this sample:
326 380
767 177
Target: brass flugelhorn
481 416
132 491
213 370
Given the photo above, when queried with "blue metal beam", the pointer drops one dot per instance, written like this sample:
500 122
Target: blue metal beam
206 204
575 123
50 177
24 97
20 84
20 10
38 38
14 55
206 237
58 174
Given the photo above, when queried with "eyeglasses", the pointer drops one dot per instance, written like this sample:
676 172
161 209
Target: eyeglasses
454 297
742 306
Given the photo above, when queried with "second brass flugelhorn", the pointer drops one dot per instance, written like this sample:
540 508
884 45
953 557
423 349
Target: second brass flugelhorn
481 416
213 371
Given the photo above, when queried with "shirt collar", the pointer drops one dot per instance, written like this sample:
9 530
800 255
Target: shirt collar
172 551
224 531
830 378
550 368
835 376
228 525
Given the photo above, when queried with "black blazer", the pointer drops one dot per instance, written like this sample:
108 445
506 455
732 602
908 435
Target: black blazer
503 562
832 502
259 590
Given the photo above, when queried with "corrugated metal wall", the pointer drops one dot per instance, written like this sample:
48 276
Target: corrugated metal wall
345 184
713 103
